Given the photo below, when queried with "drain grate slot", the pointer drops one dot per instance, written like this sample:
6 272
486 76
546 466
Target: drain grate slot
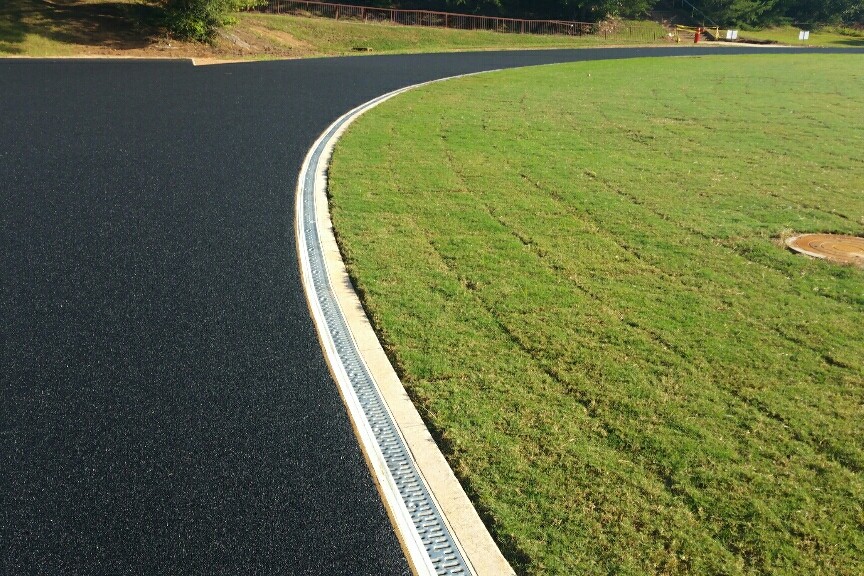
425 516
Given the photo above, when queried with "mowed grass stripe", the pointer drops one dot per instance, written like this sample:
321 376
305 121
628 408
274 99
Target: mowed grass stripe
579 272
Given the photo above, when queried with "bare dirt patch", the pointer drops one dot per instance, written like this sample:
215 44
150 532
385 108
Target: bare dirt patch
284 38
833 247
254 40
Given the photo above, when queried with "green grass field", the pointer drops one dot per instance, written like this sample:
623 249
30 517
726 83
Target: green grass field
579 273
826 36
134 27
69 27
322 36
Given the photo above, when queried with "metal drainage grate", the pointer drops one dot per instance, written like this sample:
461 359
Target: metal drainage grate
426 517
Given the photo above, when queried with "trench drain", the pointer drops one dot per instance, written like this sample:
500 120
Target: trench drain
427 520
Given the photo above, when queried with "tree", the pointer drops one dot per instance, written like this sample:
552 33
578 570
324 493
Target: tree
199 19
748 12
825 11
766 12
581 10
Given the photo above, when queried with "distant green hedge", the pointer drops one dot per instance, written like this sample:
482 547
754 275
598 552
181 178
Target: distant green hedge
199 19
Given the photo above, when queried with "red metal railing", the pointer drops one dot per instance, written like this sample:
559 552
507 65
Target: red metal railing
459 21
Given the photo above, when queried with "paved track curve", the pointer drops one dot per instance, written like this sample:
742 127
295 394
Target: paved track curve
166 408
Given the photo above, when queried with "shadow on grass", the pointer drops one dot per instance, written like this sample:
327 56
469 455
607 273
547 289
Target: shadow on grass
110 24
12 32
854 42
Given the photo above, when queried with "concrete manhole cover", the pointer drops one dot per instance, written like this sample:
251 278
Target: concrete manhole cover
834 247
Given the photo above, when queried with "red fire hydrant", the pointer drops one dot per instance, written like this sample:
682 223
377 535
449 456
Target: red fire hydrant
697 35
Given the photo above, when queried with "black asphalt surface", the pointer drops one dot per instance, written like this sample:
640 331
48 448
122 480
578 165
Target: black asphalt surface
166 408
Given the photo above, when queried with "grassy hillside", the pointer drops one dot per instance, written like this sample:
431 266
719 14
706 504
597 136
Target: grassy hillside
314 36
828 36
69 27
132 28
580 274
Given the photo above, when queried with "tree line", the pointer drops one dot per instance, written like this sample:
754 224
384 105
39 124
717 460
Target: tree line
724 12
758 13
200 18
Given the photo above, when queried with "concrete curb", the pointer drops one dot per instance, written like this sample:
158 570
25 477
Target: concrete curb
466 529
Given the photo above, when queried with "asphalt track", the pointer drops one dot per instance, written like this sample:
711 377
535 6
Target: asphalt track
166 408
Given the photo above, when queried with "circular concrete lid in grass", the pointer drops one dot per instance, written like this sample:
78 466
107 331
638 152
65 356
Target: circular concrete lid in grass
834 247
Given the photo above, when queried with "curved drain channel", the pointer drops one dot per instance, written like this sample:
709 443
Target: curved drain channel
420 526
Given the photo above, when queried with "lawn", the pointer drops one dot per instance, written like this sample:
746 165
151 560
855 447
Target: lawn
71 27
578 271
135 28
824 36
321 36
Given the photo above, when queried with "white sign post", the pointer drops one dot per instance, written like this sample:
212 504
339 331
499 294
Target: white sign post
804 35
731 34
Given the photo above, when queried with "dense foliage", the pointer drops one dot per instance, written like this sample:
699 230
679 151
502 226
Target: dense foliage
199 19
724 12
766 12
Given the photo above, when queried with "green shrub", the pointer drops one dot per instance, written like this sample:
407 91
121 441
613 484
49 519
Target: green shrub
199 19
